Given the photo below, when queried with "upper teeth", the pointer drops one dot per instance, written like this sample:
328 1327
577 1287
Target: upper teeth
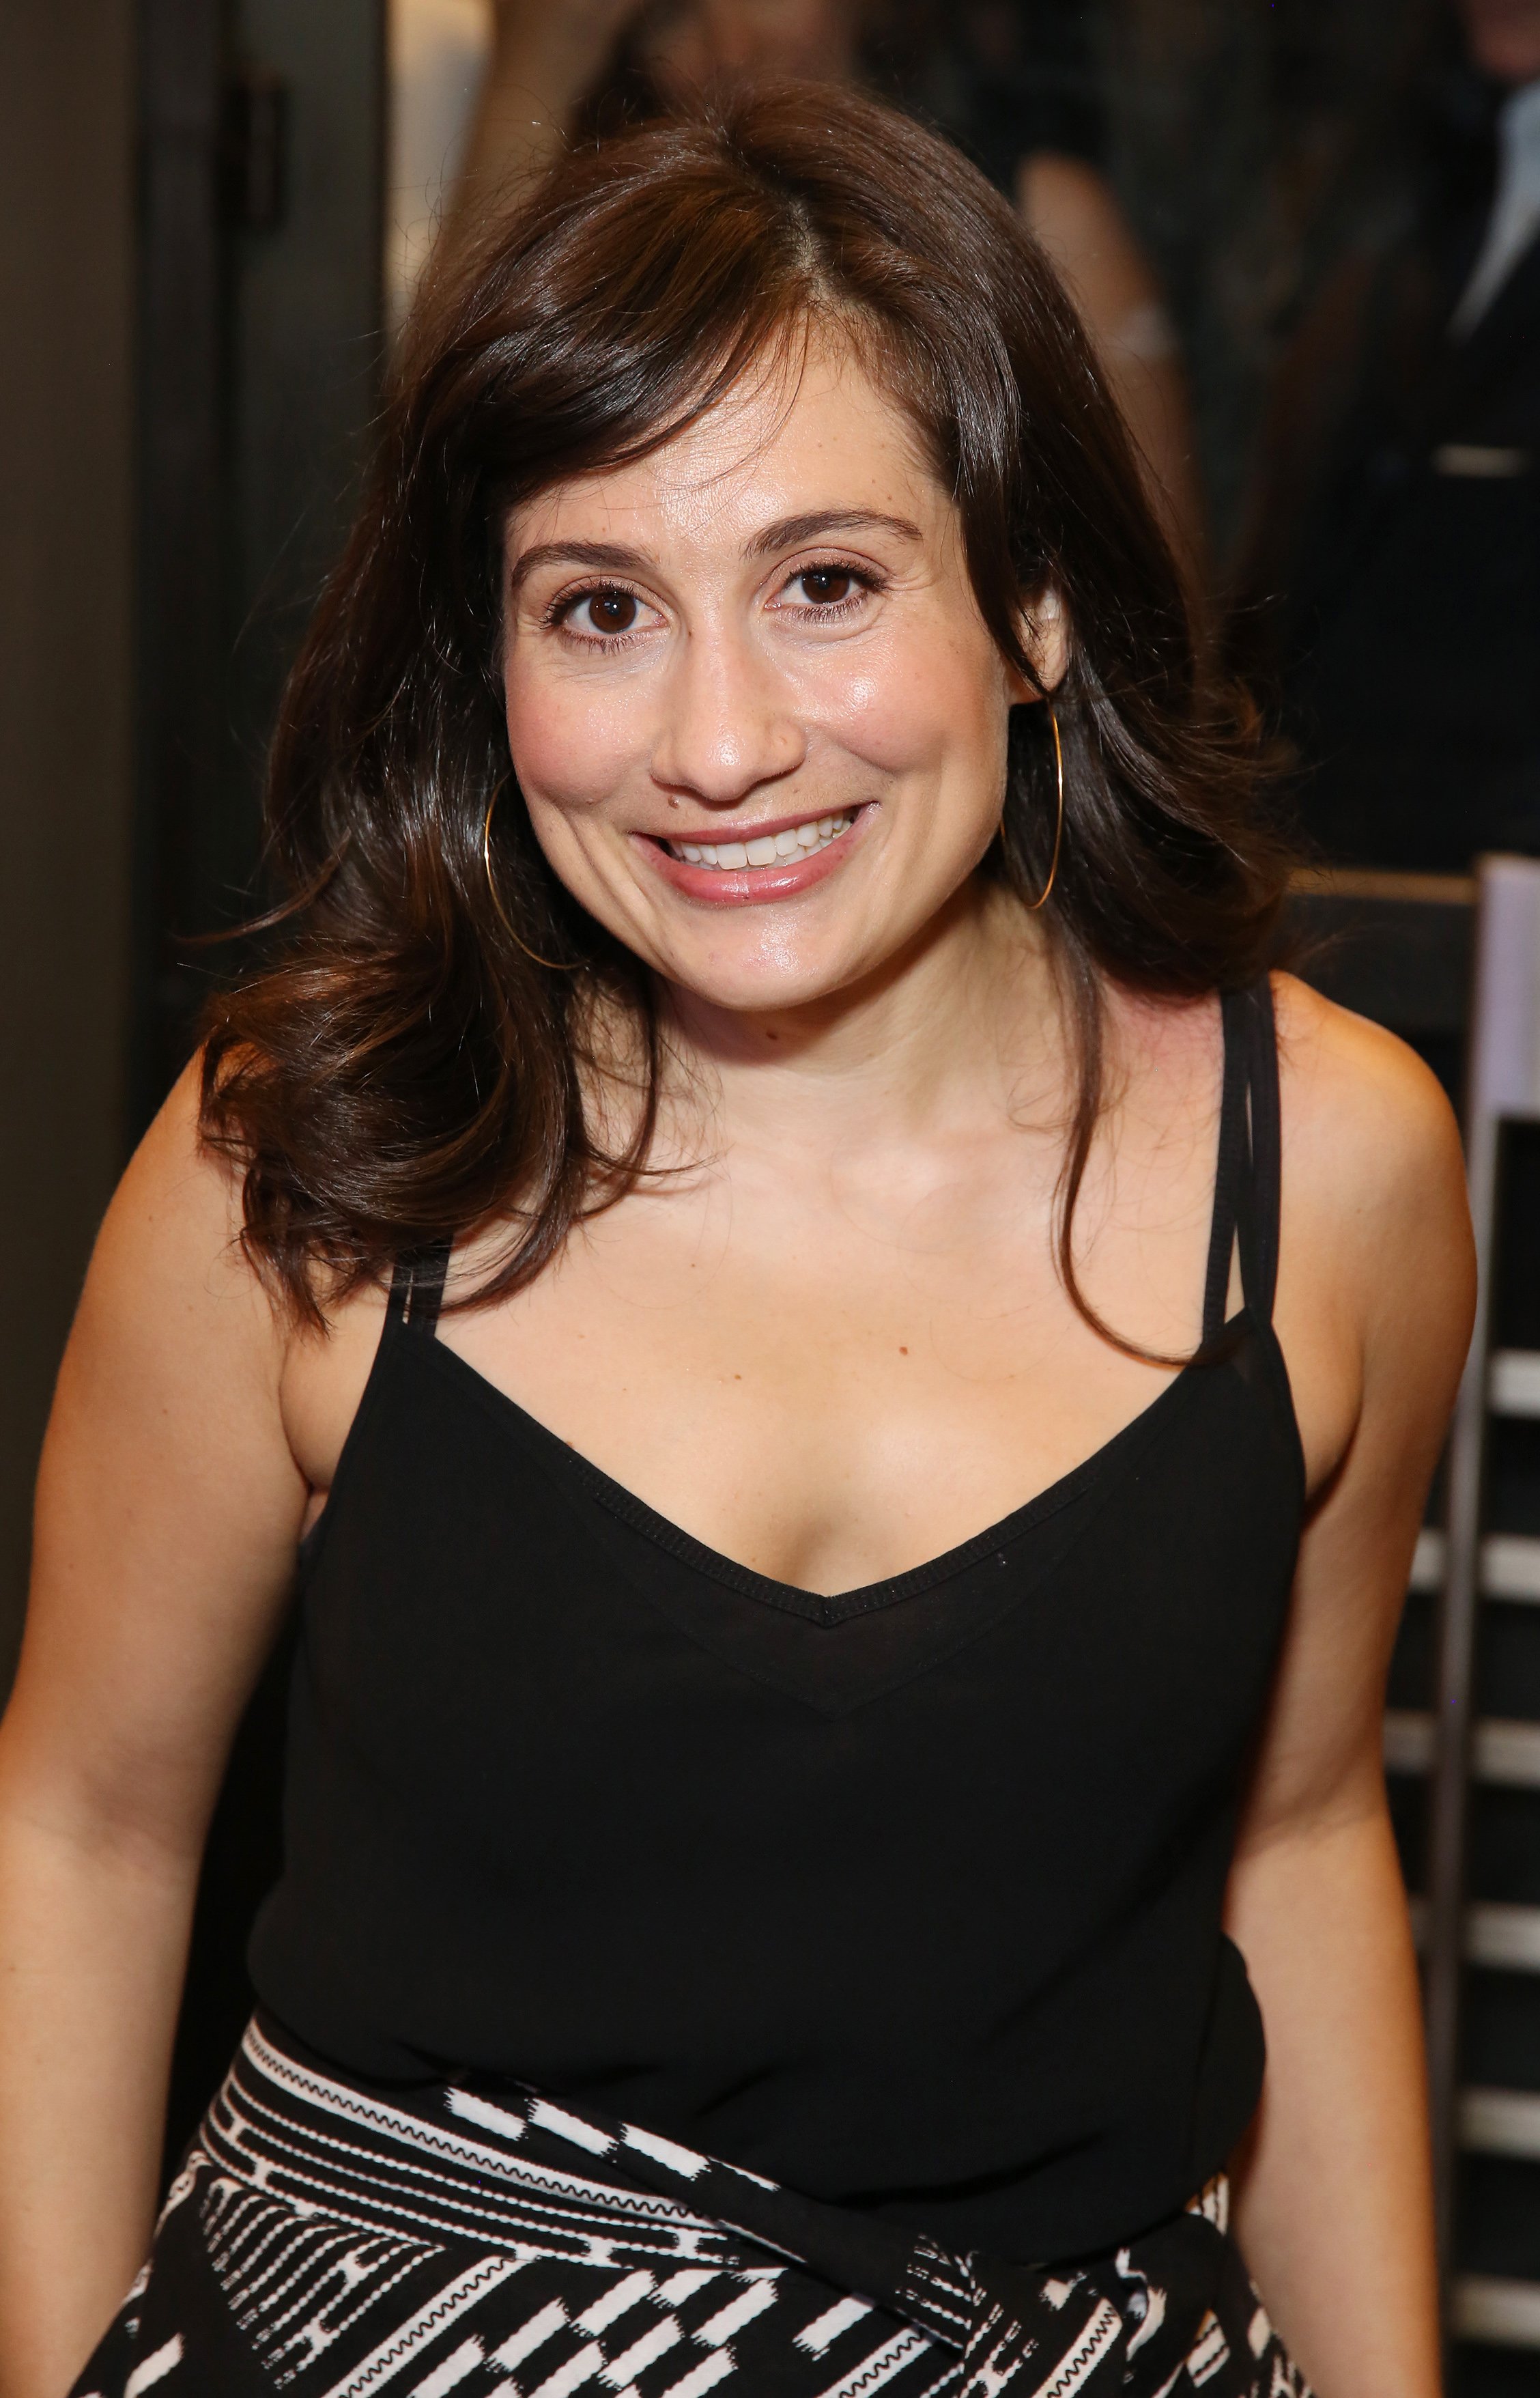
766 849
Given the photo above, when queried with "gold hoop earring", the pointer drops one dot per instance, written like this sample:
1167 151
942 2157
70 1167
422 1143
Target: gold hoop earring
1033 905
557 965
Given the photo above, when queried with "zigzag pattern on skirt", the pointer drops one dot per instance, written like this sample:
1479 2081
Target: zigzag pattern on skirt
330 2241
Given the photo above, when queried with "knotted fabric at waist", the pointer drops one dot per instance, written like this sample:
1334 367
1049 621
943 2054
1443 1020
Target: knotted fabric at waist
459 2240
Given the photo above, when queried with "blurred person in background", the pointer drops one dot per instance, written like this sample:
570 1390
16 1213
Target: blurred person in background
561 67
1390 586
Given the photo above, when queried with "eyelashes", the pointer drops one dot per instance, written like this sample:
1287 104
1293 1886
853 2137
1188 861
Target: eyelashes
614 606
862 580
618 607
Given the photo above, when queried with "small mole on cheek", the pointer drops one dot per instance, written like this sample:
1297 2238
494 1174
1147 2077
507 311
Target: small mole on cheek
902 1350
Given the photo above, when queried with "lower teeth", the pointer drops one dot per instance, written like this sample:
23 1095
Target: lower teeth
734 856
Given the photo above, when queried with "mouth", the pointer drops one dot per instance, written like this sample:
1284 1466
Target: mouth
766 862
791 842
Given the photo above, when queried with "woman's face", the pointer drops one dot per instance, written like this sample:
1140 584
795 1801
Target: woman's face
756 715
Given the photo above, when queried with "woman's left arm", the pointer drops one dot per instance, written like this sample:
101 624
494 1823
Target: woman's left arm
1376 1301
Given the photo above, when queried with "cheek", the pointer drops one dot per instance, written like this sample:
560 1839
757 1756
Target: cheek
571 746
934 706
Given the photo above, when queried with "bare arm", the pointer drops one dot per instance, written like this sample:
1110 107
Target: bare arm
169 1509
1334 2208
1073 212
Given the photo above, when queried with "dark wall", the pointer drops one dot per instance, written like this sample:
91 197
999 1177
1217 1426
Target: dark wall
302 358
66 298
261 350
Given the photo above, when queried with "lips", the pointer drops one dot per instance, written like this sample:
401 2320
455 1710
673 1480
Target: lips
758 863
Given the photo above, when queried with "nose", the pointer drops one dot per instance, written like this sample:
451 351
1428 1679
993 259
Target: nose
727 723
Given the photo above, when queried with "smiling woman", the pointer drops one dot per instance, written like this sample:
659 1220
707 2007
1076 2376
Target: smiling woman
849 1515
675 291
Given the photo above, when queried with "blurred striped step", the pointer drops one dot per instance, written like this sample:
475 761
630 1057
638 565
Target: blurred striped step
1505 1752
1510 1566
1505 1939
1501 2315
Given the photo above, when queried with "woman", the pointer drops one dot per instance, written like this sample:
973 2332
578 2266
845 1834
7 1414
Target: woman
777 949
582 62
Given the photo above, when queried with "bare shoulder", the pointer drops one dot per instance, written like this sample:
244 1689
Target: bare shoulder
1359 1100
178 1204
1374 1172
169 1273
168 1501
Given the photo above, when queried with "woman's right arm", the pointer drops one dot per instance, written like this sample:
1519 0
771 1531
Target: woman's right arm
168 1510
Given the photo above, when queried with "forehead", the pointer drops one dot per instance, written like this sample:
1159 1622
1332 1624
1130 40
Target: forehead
816 432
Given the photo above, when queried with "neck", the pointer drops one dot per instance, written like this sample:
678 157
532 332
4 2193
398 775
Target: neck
967 1016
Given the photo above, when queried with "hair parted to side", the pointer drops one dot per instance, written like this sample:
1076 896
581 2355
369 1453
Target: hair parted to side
405 1070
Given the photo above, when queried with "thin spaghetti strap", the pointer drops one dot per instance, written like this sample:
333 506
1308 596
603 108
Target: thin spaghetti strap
400 1292
1229 1167
1264 1177
417 1291
426 1297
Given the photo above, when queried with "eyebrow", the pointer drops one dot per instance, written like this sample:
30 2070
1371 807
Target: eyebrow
786 532
794 532
574 553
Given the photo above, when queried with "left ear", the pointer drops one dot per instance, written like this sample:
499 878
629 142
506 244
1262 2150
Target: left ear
1045 637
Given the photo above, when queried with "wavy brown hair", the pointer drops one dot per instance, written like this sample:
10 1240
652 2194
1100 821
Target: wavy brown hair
404 1070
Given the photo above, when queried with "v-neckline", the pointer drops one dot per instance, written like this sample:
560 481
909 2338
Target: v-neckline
838 1607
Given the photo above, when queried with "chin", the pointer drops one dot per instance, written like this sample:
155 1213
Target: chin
757 984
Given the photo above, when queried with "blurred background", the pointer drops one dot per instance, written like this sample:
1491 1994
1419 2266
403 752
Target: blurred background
1305 237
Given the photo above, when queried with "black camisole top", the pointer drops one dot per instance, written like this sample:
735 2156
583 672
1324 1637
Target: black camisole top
907 1898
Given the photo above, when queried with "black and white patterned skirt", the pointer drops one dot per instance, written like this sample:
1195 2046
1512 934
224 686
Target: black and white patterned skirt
332 2241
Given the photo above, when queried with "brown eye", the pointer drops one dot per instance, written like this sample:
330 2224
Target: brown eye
611 611
827 585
